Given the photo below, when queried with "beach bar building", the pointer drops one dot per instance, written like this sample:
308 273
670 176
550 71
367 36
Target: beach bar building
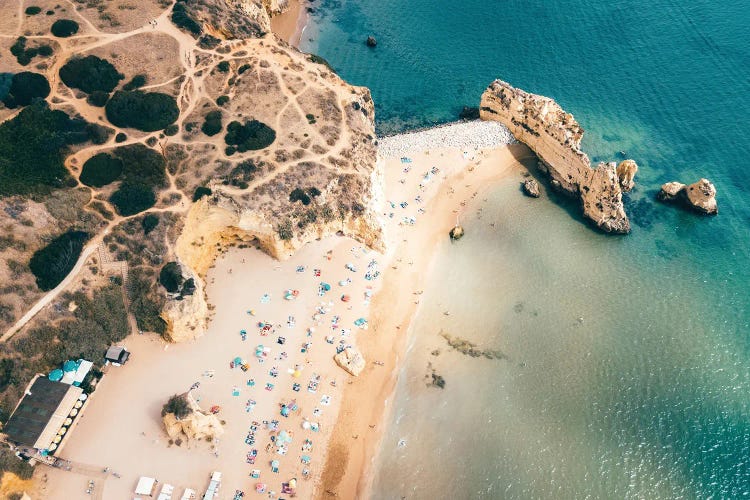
43 416
117 355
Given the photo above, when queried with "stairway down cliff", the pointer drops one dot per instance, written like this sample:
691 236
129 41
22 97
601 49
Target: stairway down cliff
555 137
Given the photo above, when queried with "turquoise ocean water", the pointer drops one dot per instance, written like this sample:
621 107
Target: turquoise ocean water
628 370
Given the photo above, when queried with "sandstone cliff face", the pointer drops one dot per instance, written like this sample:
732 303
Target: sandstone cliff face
276 6
250 202
699 196
555 137
231 19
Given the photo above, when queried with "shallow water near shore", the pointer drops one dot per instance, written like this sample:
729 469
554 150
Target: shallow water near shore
627 372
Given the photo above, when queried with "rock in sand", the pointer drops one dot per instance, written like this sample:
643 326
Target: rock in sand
531 188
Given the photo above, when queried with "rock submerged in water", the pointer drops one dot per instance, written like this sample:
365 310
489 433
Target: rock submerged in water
457 232
371 41
531 188
699 196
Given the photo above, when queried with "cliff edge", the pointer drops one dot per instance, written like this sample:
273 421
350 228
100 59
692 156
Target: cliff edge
555 137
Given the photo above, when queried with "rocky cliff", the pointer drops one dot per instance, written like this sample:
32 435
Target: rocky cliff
318 177
555 137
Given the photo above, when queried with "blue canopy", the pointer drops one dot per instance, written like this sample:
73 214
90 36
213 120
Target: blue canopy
56 375
70 366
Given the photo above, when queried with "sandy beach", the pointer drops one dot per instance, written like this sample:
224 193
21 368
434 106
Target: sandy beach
289 25
426 187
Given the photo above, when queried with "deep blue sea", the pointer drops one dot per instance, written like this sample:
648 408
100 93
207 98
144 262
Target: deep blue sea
628 371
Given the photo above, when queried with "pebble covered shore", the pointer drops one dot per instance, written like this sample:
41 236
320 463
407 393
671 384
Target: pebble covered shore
473 135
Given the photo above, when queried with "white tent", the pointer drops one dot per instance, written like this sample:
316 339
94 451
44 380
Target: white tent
166 492
146 486
188 494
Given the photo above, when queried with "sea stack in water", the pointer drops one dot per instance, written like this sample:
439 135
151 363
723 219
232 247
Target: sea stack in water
626 171
371 41
555 137
457 232
531 188
699 196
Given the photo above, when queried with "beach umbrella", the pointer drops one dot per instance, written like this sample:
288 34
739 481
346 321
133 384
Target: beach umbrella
70 366
283 436
62 431
284 411
260 487
57 439
78 404
52 447
326 286
305 459
73 412
306 425
238 360
293 483
275 463
296 374
68 421
56 375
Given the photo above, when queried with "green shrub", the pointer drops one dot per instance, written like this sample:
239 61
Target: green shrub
230 150
177 405
25 87
319 60
24 55
222 100
89 74
212 124
146 111
10 462
145 304
243 68
136 82
284 230
99 134
298 194
310 118
142 165
149 223
182 19
32 148
200 192
121 137
172 130
100 170
253 135
51 264
32 10
223 66
63 28
45 50
132 198
170 277
98 98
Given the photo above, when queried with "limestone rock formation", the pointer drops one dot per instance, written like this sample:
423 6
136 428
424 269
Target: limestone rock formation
351 361
231 19
274 7
531 188
456 233
699 196
371 41
555 137
626 171
197 425
670 191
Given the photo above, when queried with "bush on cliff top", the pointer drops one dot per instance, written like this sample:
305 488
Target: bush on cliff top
178 405
63 28
146 111
252 135
100 170
132 198
51 264
25 87
170 277
90 74
33 146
